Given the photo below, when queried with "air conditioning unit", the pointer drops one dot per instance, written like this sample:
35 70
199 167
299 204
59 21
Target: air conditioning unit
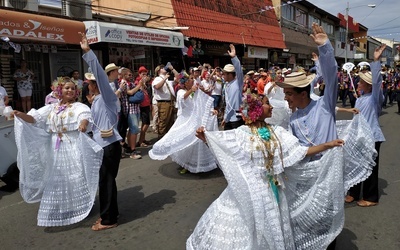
32 5
79 9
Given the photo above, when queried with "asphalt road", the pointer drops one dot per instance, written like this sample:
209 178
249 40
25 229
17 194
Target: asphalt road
159 208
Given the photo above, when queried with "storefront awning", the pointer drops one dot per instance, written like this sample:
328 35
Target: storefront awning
206 23
20 26
118 33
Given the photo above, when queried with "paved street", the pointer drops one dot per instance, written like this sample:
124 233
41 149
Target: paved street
159 208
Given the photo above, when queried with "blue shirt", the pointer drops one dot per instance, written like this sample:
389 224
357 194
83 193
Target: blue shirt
233 93
370 104
104 107
315 124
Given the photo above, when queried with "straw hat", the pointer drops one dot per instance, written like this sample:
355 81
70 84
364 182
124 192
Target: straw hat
90 76
110 67
251 72
296 79
366 77
229 68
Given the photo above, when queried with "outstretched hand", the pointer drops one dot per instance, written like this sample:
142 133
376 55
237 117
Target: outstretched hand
378 52
232 50
84 42
335 143
318 34
200 134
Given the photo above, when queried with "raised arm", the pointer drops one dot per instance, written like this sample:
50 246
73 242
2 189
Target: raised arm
376 75
105 89
328 66
237 65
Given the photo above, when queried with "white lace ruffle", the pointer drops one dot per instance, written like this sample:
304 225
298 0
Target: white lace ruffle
314 192
181 142
247 214
65 181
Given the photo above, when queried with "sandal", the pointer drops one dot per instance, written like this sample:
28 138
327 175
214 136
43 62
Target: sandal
364 203
143 145
100 227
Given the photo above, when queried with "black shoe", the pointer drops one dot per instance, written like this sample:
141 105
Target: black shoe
126 146
128 151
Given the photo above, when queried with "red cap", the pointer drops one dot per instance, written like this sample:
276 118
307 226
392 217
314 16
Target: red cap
142 69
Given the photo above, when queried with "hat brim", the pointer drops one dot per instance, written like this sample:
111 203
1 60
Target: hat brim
111 69
90 76
365 78
298 84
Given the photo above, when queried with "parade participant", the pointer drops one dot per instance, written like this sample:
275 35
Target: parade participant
233 76
59 164
195 108
105 118
370 105
24 78
313 122
252 212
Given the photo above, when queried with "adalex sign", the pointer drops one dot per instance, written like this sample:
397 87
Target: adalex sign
117 33
25 26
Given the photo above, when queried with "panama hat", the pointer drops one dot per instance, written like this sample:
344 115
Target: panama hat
110 67
296 79
366 77
90 76
229 68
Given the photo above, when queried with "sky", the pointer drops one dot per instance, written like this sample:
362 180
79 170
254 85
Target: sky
383 21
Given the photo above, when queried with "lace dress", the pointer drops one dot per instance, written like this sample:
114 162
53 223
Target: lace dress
59 166
309 213
181 143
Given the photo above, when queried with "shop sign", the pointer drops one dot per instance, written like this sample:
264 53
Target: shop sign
17 25
113 33
139 52
257 52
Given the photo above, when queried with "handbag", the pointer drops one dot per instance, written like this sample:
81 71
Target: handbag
136 98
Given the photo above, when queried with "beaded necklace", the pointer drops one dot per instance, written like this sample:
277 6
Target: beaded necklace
263 136
60 129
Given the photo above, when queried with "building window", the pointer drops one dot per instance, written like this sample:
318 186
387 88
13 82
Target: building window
328 28
312 20
301 17
342 34
288 12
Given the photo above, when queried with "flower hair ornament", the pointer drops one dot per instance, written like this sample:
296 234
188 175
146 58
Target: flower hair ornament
59 83
251 108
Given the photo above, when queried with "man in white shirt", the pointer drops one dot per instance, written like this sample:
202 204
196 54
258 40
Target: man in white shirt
164 95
